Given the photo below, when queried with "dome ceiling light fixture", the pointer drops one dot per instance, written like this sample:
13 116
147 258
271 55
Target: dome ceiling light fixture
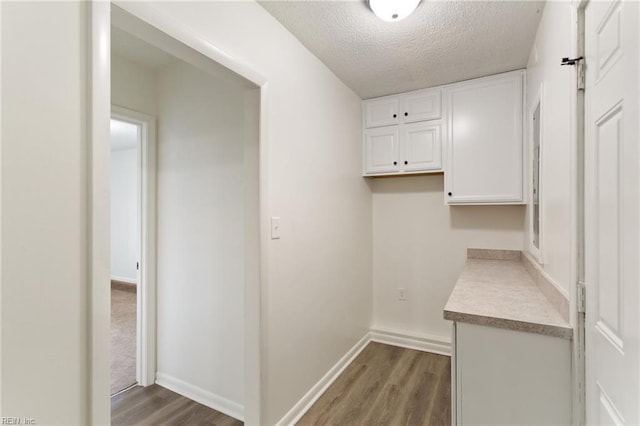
393 10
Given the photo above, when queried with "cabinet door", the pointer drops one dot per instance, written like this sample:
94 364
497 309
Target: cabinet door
381 150
507 377
421 147
484 148
381 112
421 106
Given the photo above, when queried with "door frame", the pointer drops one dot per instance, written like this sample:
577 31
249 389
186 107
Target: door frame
98 271
146 237
578 314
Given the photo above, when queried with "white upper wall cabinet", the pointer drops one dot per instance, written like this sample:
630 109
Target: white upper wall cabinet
403 134
421 147
472 129
381 145
421 106
484 163
382 112
412 107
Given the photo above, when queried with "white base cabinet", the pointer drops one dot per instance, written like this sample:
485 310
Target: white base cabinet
505 377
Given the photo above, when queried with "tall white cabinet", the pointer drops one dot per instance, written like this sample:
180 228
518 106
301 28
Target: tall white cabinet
484 161
472 131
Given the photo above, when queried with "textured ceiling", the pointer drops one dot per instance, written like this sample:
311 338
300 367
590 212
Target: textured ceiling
441 42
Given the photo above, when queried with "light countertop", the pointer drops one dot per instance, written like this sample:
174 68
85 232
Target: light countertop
501 293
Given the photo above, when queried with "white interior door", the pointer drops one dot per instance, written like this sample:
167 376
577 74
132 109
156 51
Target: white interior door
612 234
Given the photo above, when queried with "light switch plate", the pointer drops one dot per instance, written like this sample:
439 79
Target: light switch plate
275 228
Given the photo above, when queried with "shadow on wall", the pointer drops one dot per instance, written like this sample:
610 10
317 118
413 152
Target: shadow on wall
493 217
408 184
505 218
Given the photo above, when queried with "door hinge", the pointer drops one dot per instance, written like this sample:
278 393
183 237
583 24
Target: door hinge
137 266
581 77
579 64
582 297
570 61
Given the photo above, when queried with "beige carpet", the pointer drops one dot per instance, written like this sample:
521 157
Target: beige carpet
123 339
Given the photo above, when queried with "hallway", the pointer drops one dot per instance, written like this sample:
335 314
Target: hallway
123 339
155 405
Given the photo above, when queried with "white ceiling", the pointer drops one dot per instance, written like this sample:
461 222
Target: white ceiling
441 42
123 135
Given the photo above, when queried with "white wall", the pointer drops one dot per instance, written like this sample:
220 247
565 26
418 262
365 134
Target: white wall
201 231
556 38
200 225
553 41
253 256
133 86
317 301
420 244
44 234
124 220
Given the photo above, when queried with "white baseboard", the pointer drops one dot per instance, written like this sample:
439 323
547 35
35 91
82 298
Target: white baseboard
316 391
421 342
124 279
202 396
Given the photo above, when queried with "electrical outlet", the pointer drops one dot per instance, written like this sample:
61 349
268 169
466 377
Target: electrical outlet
402 294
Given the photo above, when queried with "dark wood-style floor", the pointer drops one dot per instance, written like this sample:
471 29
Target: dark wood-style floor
387 385
384 385
155 405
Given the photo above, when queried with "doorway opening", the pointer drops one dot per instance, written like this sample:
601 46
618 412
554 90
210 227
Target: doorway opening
198 228
125 141
133 241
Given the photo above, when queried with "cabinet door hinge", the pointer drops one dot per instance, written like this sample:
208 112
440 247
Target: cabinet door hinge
582 297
